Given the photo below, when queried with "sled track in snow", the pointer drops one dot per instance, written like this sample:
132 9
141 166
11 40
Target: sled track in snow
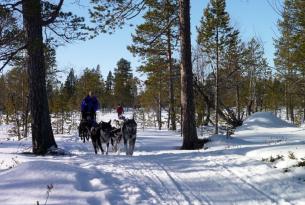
244 182
272 198
158 179
152 185
172 192
171 182
183 187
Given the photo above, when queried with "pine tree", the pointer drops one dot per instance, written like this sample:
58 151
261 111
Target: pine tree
123 83
109 83
213 36
91 80
69 90
285 52
256 66
232 74
155 86
36 15
189 131
299 54
70 83
156 39
109 90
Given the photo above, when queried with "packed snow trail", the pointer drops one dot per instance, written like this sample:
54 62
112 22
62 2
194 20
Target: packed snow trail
158 173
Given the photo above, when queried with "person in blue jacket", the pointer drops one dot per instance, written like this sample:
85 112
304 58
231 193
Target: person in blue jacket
89 107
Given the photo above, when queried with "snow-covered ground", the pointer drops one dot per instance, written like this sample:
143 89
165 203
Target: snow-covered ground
234 170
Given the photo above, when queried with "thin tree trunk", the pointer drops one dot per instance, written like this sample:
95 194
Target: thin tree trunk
208 114
171 84
181 120
13 99
159 118
26 116
303 120
62 120
168 119
187 96
238 102
159 112
251 107
303 109
17 124
216 83
291 108
42 134
254 94
286 100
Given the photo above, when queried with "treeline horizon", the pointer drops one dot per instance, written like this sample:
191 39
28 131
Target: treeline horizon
230 75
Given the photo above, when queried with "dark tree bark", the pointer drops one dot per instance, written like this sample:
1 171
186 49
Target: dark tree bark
189 131
42 134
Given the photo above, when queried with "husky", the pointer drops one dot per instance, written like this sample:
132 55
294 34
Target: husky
116 137
118 123
84 130
129 133
101 134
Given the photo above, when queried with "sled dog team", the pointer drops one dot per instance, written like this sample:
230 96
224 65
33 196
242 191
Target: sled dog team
103 132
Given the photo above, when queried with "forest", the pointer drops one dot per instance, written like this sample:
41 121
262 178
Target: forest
218 81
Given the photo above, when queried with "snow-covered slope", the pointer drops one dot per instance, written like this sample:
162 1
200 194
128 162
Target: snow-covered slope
227 171
263 120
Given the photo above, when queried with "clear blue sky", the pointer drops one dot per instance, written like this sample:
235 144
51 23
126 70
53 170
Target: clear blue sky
254 18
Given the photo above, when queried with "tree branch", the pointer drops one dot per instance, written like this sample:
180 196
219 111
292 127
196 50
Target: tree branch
12 6
163 30
54 14
11 56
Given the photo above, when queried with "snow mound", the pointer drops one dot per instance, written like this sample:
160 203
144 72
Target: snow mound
264 120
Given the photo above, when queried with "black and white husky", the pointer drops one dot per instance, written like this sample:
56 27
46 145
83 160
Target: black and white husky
101 134
116 137
129 133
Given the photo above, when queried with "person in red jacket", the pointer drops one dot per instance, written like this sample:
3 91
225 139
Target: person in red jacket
120 111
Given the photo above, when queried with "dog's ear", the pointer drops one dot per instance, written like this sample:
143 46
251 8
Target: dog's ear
109 122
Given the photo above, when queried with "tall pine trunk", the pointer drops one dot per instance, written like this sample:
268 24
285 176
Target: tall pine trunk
172 112
189 132
42 134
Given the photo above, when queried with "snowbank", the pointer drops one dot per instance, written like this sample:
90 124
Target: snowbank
263 120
